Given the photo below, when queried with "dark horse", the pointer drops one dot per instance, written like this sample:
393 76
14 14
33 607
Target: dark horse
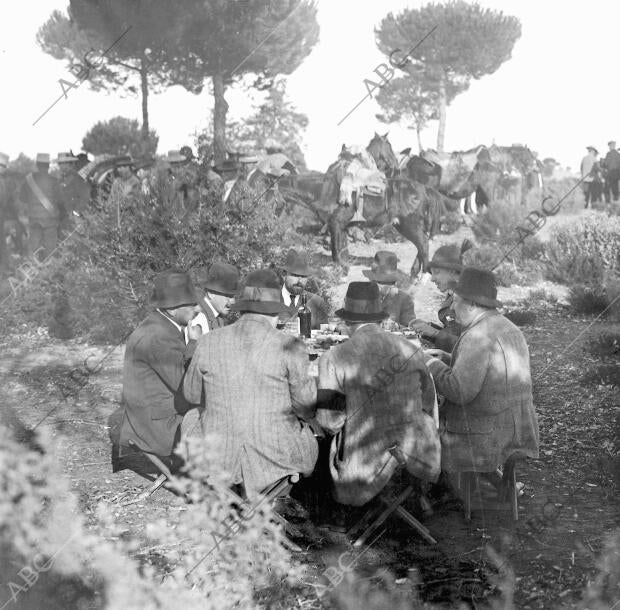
412 208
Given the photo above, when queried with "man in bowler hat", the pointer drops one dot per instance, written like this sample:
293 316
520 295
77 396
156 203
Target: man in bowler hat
489 411
220 283
298 273
156 357
395 301
252 381
388 402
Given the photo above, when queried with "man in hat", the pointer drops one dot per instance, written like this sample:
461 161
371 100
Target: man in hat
298 273
126 185
589 168
156 357
75 190
41 198
396 302
612 172
388 402
489 411
446 266
183 174
220 282
253 383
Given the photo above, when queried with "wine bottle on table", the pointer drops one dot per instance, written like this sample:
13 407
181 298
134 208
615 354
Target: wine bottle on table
305 317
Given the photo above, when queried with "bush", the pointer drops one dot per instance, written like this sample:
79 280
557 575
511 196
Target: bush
105 271
584 252
589 300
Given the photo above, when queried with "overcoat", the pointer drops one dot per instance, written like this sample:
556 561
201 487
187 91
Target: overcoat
389 398
489 412
400 306
155 360
253 383
34 209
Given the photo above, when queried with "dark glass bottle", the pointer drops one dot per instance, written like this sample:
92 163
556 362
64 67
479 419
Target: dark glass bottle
305 317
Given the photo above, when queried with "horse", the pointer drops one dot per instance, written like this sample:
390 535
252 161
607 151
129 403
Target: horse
413 208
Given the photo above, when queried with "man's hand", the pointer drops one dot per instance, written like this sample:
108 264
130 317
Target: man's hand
445 357
194 332
424 328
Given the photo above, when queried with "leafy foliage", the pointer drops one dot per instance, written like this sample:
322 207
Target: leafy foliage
469 42
22 164
120 136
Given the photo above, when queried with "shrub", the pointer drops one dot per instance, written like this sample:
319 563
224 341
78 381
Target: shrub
605 345
585 299
585 251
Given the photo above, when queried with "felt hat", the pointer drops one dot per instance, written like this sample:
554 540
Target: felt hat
187 152
297 264
478 286
261 294
173 289
592 149
43 158
124 161
362 303
384 268
65 157
175 156
447 257
220 278
228 165
4 159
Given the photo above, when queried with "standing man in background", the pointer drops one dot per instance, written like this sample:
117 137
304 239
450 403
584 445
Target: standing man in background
612 175
41 198
75 190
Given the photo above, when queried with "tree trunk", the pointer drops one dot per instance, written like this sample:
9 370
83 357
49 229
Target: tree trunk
417 133
144 85
219 118
441 131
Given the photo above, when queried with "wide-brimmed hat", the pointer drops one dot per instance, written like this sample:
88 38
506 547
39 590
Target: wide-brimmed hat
297 263
65 157
592 149
124 161
384 268
175 156
173 289
220 278
447 257
362 303
43 158
228 165
478 286
261 294
4 159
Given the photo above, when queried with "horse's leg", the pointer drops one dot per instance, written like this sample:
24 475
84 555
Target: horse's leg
412 227
337 223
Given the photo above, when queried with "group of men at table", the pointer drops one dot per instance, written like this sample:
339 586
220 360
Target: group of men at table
250 382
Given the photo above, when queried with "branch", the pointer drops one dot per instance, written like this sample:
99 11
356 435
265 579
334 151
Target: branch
120 63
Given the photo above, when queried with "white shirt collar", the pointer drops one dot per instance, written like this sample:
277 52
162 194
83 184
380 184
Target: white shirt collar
216 313
287 296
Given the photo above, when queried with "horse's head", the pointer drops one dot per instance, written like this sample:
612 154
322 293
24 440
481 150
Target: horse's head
383 154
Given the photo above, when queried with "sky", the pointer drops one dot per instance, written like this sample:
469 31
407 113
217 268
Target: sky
557 94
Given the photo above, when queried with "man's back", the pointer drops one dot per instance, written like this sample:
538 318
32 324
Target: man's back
50 188
389 400
256 389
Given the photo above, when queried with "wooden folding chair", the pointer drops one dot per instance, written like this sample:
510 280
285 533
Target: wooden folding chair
391 507
470 481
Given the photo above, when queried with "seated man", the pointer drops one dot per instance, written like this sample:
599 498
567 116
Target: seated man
397 303
489 412
296 279
220 283
155 360
388 396
253 383
446 267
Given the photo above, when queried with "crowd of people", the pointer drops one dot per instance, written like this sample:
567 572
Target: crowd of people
267 411
601 176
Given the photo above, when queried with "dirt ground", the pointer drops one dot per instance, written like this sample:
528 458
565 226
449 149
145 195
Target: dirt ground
571 493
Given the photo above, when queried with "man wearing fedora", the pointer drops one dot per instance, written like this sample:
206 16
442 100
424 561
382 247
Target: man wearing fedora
489 412
156 357
253 383
75 191
389 398
612 172
297 274
396 302
446 266
220 283
41 198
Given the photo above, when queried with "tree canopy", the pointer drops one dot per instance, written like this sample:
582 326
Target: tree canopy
227 39
120 136
469 42
144 60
